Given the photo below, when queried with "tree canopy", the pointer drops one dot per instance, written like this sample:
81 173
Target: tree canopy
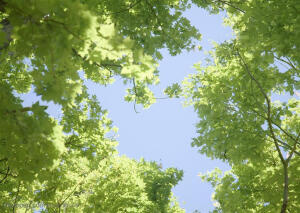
71 164
249 113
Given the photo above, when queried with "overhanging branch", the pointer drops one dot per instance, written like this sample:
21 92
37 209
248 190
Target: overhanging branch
246 68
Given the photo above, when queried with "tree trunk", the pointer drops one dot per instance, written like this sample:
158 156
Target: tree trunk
286 189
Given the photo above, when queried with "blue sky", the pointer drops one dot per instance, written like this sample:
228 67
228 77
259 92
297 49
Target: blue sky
163 132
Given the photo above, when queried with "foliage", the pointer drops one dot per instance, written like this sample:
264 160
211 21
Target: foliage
72 165
52 47
241 121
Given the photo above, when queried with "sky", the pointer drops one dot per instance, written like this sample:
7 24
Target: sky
164 132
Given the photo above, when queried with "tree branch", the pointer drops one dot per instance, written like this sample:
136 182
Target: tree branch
25 109
269 121
3 159
16 198
2 6
285 189
287 146
72 192
293 150
230 5
135 92
5 176
246 68
288 62
126 9
102 65
279 127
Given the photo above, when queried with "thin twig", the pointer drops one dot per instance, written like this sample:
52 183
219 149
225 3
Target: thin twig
72 192
162 98
135 92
